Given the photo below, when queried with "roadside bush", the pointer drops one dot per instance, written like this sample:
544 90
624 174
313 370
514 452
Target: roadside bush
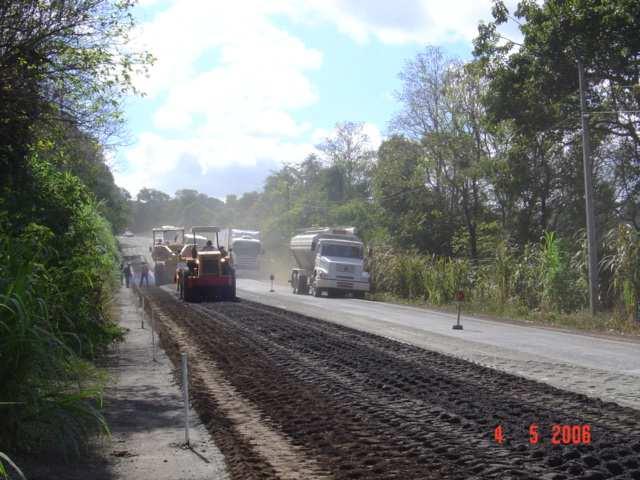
56 276
623 262
543 280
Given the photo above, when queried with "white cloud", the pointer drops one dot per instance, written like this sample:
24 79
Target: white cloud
229 81
400 21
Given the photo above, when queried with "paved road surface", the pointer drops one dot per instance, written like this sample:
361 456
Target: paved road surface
594 365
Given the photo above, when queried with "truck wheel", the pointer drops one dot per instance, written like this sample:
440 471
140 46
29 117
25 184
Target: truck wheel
303 288
317 292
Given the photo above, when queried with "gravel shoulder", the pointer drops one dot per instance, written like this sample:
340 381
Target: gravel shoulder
144 410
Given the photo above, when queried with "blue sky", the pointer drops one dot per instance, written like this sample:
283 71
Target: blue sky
241 87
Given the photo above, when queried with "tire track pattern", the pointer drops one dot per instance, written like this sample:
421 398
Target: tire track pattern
365 407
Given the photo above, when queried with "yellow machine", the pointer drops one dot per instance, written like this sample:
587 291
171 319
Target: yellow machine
167 244
207 273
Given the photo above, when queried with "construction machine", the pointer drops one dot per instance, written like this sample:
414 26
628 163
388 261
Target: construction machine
205 272
167 244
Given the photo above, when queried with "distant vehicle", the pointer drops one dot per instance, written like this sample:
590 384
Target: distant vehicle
207 273
128 233
328 260
167 242
245 248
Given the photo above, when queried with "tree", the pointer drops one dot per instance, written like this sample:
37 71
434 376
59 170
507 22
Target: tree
441 109
61 62
349 154
535 85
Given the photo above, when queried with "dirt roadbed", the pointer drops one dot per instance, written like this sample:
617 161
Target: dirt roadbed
288 396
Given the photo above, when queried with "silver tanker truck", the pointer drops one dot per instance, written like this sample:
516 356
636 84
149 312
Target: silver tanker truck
328 260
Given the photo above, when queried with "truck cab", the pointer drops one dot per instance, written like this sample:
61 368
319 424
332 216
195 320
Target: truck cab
331 261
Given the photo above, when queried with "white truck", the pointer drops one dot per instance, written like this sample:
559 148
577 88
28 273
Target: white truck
328 260
245 249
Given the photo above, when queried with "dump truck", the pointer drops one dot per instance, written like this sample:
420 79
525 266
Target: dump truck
328 260
245 249
167 244
204 272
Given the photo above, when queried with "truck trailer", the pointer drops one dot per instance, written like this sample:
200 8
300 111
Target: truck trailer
245 249
328 260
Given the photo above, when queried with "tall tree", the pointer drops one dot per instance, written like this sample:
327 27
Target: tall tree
350 156
534 85
441 109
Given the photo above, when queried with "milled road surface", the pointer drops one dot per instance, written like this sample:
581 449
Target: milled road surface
288 396
603 367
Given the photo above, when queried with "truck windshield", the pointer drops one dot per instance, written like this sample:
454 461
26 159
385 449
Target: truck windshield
347 251
246 248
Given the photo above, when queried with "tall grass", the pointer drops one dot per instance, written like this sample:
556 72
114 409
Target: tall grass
49 393
545 281
623 262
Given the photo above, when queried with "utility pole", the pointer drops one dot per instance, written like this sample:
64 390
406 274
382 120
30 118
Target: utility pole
592 245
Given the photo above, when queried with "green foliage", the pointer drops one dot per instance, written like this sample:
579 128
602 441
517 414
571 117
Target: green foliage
50 392
623 261
56 276
541 277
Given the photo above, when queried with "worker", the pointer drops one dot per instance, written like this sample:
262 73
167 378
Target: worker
144 274
126 271
121 274
208 247
223 251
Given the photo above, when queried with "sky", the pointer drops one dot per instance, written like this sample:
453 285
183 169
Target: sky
240 88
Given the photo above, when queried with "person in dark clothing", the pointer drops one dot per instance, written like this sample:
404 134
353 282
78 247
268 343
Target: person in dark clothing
126 271
144 274
121 274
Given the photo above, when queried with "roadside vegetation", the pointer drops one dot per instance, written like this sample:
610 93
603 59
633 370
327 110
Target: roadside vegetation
479 185
63 72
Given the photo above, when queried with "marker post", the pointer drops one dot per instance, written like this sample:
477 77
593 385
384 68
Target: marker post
459 300
185 396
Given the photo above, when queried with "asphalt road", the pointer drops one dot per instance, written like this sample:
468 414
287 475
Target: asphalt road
582 350
596 366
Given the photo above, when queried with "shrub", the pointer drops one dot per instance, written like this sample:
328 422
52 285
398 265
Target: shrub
56 275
